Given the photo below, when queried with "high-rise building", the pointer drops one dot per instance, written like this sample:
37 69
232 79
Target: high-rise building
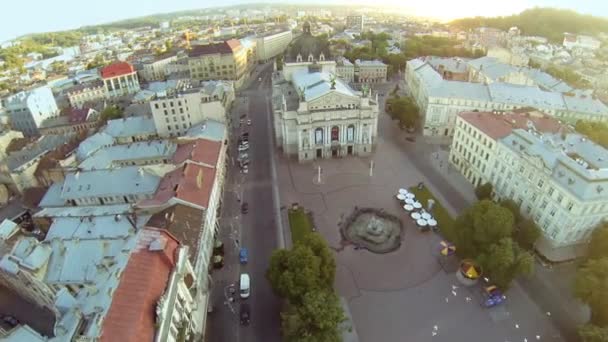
355 22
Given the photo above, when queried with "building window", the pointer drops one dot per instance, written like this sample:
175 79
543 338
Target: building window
319 136
156 105
540 183
335 133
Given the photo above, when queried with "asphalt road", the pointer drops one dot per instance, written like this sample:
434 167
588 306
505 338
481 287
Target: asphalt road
255 230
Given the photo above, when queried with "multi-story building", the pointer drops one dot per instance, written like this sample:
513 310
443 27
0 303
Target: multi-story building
176 113
573 41
272 44
441 100
76 120
450 68
370 71
557 178
119 79
319 116
345 69
514 56
228 60
28 109
86 93
355 22
156 68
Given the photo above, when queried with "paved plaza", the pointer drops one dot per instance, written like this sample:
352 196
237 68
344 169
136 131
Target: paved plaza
404 295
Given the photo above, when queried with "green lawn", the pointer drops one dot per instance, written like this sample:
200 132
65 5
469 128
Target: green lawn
444 220
299 223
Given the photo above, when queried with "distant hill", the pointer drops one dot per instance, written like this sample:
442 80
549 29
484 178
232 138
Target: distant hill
547 22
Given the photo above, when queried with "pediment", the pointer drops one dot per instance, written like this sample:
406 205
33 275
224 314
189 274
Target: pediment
333 99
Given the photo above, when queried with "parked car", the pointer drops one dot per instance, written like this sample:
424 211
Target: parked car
243 156
245 314
245 286
244 208
243 148
249 122
243 255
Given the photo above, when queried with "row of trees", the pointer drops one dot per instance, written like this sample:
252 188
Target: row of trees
304 276
591 286
544 22
568 76
403 109
596 131
412 48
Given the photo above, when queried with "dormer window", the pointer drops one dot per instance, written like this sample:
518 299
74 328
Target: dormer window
298 58
310 57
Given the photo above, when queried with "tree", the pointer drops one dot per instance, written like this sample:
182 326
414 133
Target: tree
598 247
480 226
504 261
315 320
168 45
405 110
596 131
111 113
593 333
526 234
59 67
513 208
97 62
591 287
484 191
308 266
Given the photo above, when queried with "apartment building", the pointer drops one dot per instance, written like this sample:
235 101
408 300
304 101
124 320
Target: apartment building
156 68
81 95
441 100
272 44
228 60
355 22
176 113
345 69
557 178
370 71
28 109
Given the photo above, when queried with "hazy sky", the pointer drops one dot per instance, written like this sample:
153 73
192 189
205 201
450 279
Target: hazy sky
27 16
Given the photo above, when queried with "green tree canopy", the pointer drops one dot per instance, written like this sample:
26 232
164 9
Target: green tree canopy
598 247
405 110
591 287
504 261
526 234
308 267
484 191
596 131
544 22
111 113
481 225
315 320
593 333
513 208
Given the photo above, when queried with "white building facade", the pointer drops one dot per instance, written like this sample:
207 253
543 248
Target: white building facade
272 45
28 109
174 115
319 116
441 100
558 179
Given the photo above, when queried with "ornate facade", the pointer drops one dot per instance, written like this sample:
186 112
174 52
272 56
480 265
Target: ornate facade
317 115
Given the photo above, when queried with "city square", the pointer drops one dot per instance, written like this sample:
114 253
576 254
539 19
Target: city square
405 292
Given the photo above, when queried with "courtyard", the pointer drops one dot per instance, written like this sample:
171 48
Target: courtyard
403 295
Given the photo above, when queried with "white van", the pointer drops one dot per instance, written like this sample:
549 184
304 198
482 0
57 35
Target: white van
244 285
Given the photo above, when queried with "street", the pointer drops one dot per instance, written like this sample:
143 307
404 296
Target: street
256 230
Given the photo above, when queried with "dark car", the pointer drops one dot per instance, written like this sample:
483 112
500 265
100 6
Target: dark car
245 314
244 208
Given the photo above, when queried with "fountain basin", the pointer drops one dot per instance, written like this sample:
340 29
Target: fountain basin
373 229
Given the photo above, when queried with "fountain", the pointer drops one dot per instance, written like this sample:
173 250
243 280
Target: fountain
373 229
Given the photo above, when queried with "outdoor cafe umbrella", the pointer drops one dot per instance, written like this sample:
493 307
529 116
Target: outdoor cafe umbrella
410 195
447 248
409 201
421 222
408 207
403 191
432 222
415 216
417 205
400 197
426 216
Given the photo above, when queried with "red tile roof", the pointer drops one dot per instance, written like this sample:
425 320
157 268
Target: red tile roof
117 69
202 151
131 317
498 126
226 47
191 183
